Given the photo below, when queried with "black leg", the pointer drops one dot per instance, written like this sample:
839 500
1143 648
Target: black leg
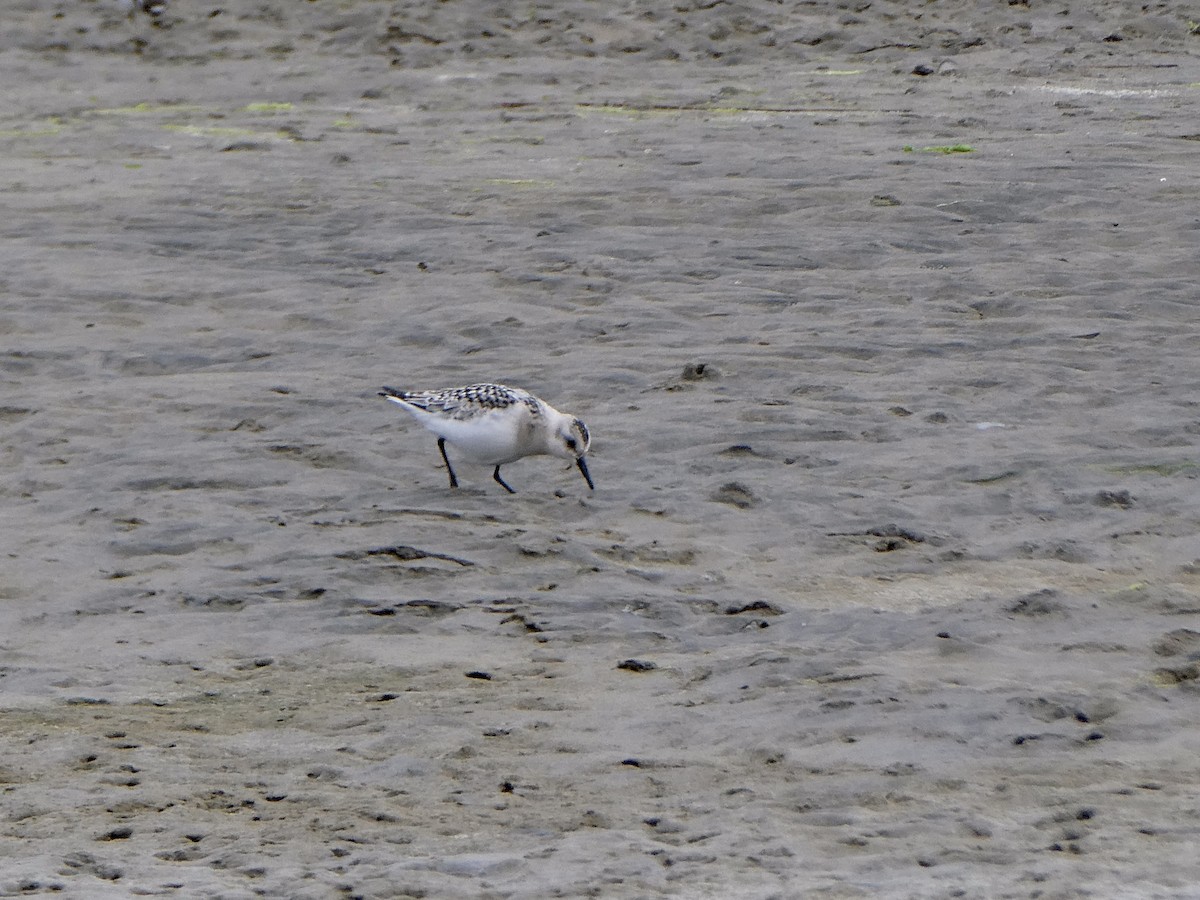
503 483
587 476
449 468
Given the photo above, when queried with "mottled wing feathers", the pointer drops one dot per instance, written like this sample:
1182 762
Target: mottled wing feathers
466 402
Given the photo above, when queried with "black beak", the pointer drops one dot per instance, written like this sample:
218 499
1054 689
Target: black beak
582 463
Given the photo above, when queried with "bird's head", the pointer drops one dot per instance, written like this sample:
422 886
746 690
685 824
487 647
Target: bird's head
571 441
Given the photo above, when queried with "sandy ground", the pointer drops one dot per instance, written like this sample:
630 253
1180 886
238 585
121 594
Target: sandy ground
890 586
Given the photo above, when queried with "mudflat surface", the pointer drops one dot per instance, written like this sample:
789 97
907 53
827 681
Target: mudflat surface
889 585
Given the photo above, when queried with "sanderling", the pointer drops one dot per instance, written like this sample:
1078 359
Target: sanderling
492 424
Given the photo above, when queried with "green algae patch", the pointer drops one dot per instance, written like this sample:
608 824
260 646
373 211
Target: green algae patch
141 109
613 109
944 149
267 107
1163 469
520 182
669 109
52 127
224 132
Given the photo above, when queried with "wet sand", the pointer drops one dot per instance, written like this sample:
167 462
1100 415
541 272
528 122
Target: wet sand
890 585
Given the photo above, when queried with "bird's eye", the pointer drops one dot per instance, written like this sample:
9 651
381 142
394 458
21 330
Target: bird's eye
570 443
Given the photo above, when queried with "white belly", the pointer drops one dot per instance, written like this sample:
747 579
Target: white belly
493 439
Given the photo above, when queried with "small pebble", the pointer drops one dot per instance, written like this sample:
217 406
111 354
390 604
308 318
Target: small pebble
636 665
